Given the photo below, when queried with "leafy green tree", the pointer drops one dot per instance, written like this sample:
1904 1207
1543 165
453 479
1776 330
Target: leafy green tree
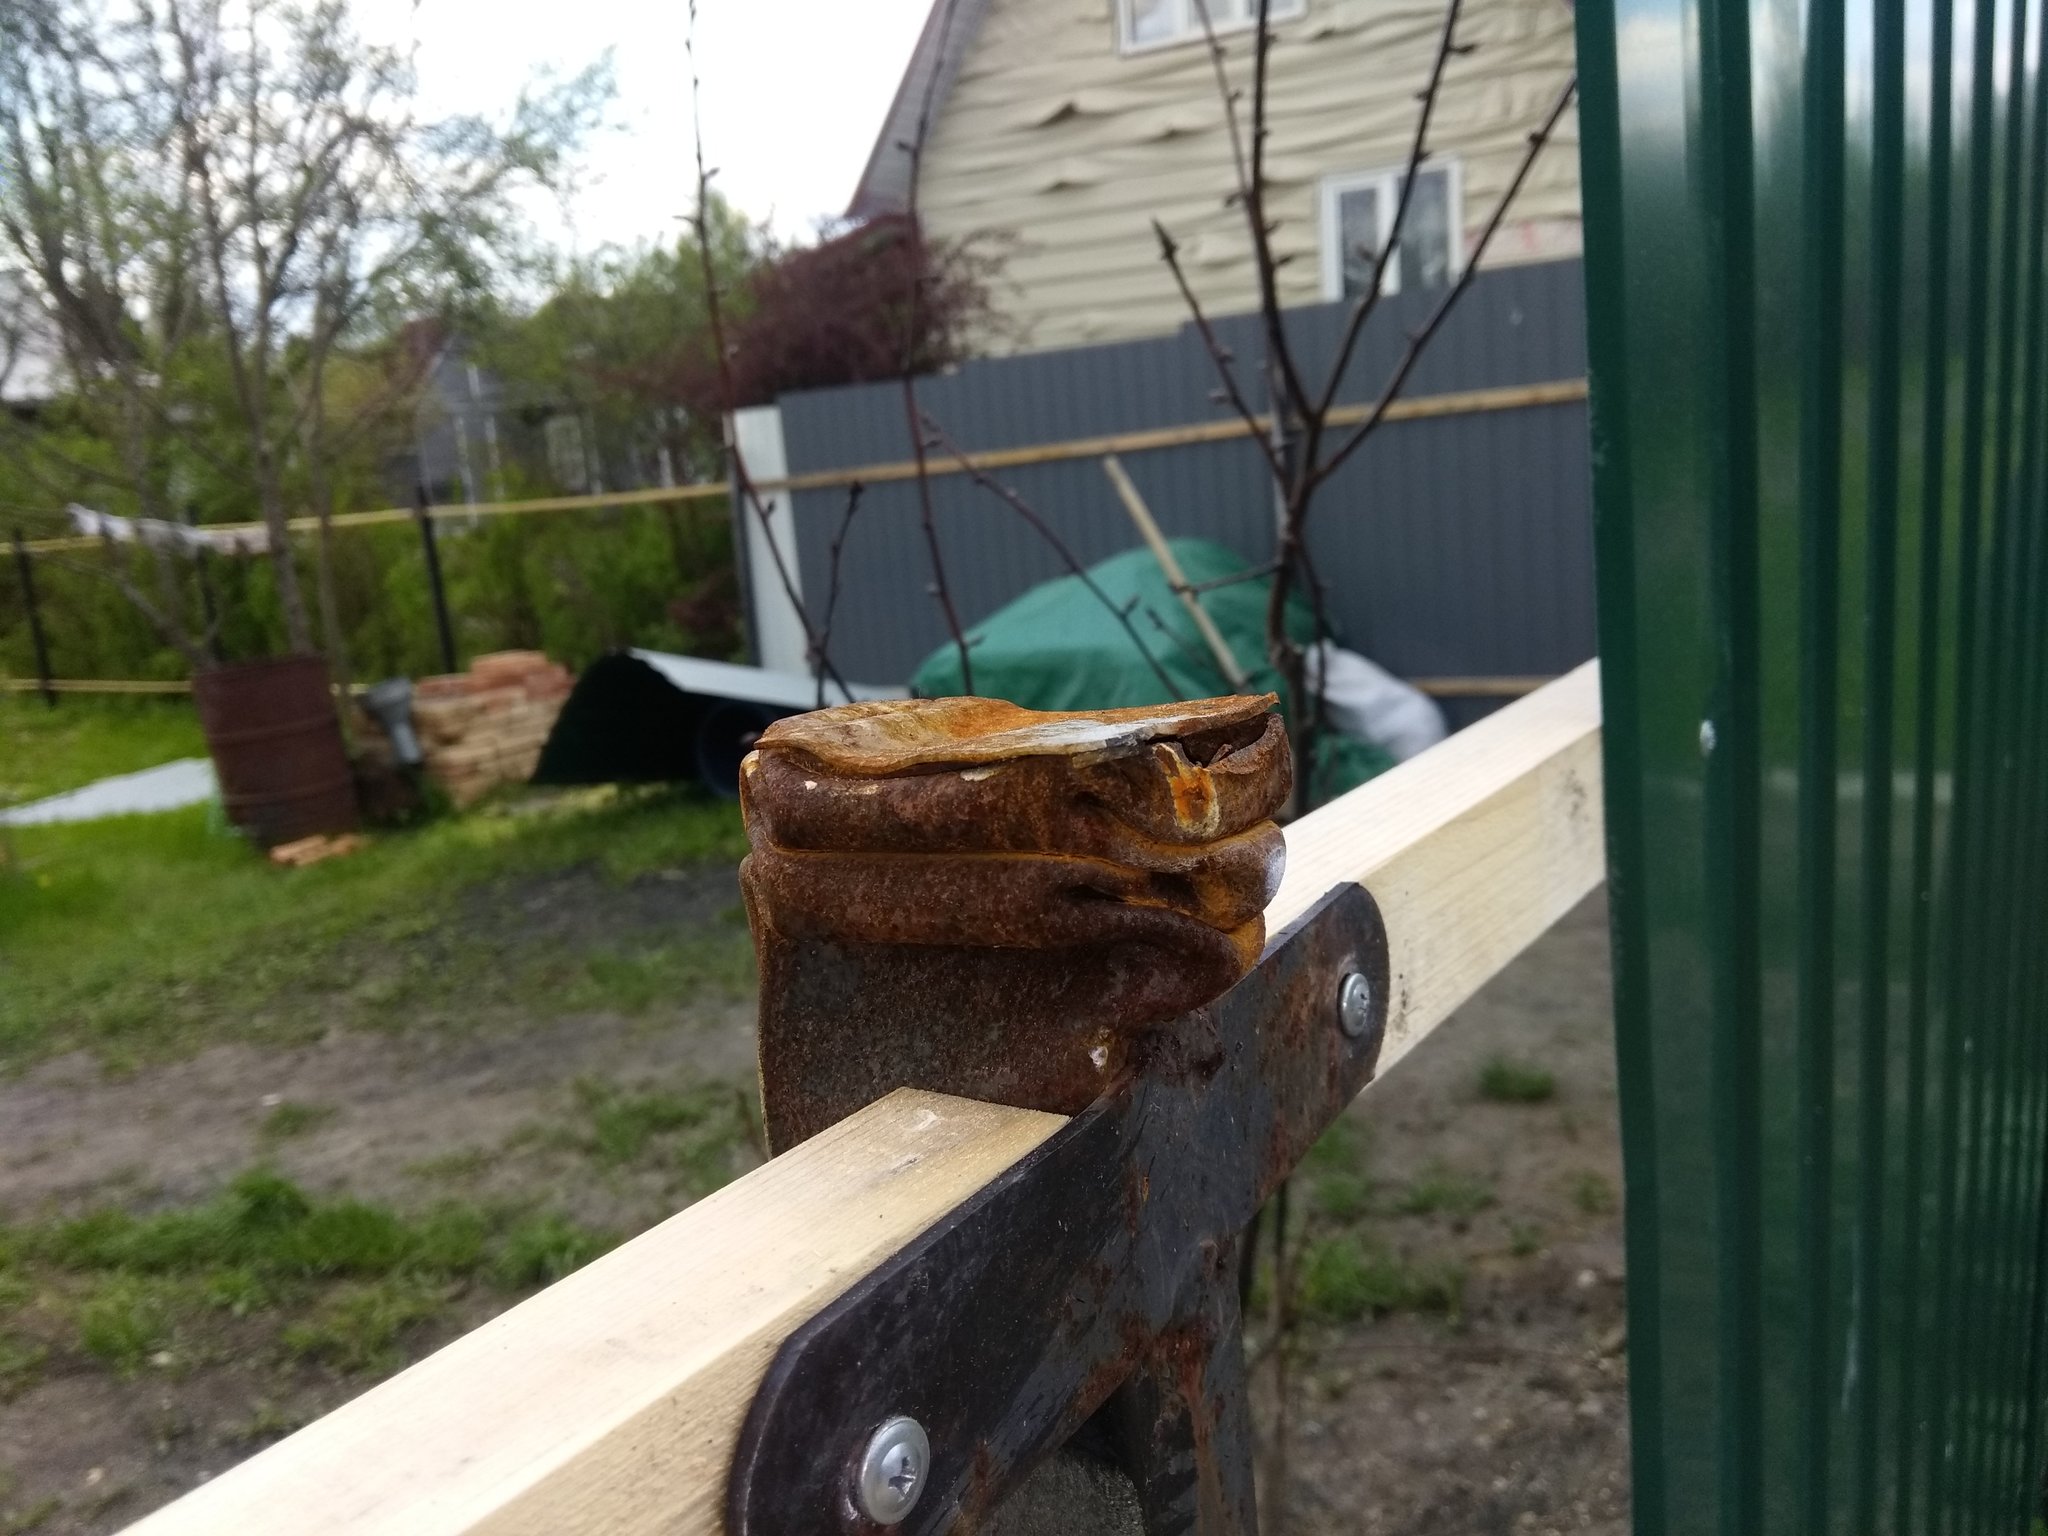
623 337
212 209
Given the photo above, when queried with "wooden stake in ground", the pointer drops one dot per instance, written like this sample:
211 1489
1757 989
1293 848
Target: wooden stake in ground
1175 578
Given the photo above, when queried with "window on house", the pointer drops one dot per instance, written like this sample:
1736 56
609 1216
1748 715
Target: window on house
1158 23
1359 209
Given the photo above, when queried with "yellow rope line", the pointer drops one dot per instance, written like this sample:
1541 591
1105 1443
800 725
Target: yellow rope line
1426 407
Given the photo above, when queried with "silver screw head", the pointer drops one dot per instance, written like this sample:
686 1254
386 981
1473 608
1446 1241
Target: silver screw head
893 1470
1354 1004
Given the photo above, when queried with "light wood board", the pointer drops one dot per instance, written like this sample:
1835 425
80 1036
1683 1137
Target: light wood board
611 1402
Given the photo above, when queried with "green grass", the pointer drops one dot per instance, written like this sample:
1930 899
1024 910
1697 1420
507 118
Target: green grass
46 751
1341 1196
1445 1191
1344 1279
347 1280
542 1249
360 1326
1506 1081
451 1167
264 1226
1593 1194
1333 1177
1348 1271
146 937
29 1517
126 1321
642 980
1344 1146
290 1120
696 1133
21 1365
16 1519
266 1422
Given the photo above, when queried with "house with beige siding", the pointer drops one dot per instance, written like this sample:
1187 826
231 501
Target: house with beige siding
1062 128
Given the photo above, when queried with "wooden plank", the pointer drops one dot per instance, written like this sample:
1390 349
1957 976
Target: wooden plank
1148 529
611 1402
1478 687
97 685
1472 849
1465 402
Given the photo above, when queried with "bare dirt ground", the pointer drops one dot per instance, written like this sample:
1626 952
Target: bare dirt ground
1505 1414
1511 1419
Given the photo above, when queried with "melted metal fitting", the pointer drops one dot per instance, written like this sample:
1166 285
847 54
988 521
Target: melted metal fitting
970 897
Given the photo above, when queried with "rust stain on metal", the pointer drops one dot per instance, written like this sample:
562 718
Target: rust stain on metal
963 895
1091 1289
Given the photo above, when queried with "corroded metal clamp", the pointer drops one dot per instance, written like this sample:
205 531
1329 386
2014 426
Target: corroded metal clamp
965 896
1089 1294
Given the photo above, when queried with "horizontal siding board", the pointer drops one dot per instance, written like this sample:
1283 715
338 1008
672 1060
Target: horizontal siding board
1049 130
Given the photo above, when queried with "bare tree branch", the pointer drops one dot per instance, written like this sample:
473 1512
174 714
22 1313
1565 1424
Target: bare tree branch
1390 245
912 327
1297 460
1220 355
853 495
1418 343
1251 195
1016 503
195 650
1235 578
821 663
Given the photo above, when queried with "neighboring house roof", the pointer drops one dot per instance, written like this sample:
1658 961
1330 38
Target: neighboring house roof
949 30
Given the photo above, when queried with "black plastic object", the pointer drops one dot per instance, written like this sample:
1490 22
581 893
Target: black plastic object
725 735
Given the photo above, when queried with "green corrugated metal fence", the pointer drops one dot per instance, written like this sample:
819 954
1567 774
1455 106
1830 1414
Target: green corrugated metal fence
1815 274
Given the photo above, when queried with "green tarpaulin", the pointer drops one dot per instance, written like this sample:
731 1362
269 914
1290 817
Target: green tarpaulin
1059 647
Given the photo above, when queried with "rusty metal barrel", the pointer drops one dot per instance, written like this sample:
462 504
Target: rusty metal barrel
276 746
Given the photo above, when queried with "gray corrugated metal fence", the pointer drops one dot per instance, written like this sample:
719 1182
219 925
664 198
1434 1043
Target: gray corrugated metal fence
1459 545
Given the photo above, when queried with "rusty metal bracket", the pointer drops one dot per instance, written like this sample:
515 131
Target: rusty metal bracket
1095 1280
977 899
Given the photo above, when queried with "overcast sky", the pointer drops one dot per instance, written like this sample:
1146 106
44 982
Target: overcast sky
794 92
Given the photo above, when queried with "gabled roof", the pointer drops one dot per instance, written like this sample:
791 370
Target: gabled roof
949 30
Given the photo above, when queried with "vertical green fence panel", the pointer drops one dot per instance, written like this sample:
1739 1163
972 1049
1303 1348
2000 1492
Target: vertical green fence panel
1814 234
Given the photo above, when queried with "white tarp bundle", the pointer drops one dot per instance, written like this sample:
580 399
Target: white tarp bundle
1369 702
159 533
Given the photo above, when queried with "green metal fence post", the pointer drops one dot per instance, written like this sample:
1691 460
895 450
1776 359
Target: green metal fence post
1817 266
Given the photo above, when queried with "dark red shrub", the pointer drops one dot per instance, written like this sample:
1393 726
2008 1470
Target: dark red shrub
851 309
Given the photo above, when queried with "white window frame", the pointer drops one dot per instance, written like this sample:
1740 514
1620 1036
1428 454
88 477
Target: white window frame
1385 185
1188 27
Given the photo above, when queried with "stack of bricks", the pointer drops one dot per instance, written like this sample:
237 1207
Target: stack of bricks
485 727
